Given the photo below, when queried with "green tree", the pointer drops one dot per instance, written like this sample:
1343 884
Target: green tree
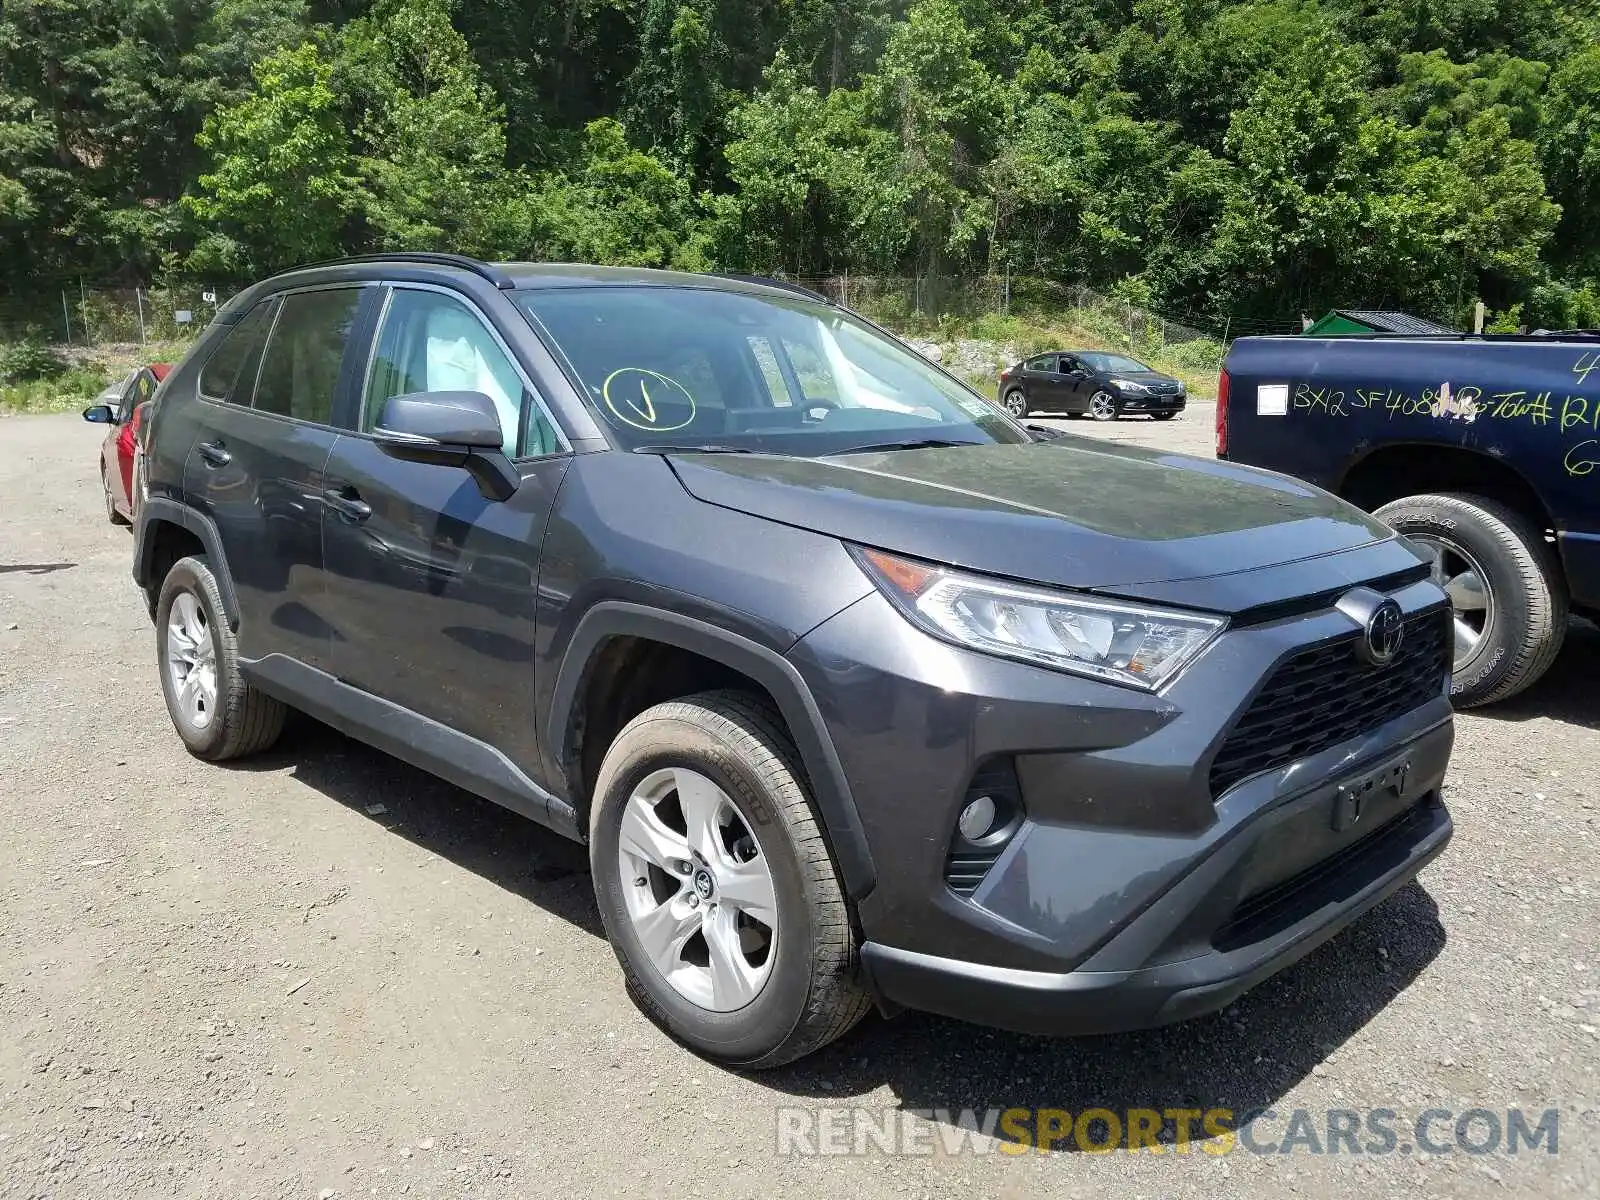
834 43
621 206
1569 149
431 137
813 182
282 182
1206 66
1442 97
554 64
1305 155
1076 189
948 111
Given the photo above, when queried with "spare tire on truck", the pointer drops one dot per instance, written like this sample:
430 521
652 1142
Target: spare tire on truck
1505 586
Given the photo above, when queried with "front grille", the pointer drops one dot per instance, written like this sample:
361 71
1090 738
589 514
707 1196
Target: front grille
1164 389
964 872
1325 695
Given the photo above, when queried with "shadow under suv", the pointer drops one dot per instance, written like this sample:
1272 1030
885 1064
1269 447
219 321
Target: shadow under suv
856 690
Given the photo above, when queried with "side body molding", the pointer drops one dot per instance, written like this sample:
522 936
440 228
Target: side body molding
451 755
829 788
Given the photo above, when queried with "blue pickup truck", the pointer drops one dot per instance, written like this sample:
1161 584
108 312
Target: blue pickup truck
1483 450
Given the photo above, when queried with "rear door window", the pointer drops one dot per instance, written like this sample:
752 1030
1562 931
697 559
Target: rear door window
300 368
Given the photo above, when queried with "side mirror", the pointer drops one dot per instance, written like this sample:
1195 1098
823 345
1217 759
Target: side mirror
100 414
450 429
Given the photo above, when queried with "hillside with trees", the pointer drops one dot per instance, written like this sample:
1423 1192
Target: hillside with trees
1208 160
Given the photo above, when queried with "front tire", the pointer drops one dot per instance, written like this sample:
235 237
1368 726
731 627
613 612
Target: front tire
715 885
215 711
1103 406
1015 403
1508 597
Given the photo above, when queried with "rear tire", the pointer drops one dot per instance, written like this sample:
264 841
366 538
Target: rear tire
215 711
795 988
1015 403
1524 597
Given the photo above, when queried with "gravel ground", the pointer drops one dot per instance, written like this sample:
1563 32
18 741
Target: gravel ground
324 973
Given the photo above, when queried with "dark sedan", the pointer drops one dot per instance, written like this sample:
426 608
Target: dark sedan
1095 383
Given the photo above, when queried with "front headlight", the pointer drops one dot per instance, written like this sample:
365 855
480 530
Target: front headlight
1124 643
1128 385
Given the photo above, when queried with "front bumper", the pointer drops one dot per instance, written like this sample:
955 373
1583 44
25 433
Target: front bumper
1130 895
1120 988
1128 402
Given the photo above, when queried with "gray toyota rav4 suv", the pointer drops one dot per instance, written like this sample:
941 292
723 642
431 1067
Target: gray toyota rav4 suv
858 691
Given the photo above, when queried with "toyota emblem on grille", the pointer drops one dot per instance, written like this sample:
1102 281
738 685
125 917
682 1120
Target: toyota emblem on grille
1386 629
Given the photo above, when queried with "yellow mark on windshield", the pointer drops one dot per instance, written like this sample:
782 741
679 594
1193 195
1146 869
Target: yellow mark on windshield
627 394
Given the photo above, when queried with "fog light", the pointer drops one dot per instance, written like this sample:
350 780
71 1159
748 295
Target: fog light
976 818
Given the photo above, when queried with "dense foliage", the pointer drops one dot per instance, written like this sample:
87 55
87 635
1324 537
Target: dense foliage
1213 160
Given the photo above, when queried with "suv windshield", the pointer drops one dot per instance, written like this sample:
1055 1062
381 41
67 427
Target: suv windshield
697 367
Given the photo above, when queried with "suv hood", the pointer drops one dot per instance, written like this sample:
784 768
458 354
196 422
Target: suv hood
1073 512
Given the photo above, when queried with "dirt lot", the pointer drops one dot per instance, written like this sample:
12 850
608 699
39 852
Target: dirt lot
324 973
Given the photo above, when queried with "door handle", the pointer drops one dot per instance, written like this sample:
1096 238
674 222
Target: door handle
215 453
347 502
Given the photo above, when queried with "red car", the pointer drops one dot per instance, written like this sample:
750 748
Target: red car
124 406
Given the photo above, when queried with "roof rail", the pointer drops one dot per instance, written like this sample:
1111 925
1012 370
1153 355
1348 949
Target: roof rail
477 266
783 285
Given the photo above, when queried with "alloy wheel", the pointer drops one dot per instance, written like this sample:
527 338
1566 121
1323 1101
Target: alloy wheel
1103 407
192 661
698 889
1016 404
1472 602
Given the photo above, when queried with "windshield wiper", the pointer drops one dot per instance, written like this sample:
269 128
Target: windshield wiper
657 448
920 444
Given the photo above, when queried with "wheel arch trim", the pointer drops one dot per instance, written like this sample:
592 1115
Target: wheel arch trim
1364 455
161 509
830 789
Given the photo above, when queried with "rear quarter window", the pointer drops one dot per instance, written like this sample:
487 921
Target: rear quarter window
238 349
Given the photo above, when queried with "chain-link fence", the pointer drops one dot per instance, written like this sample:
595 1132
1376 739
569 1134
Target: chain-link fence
76 313
931 296
926 304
